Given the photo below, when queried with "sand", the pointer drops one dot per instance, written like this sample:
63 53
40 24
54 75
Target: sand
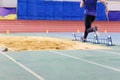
20 43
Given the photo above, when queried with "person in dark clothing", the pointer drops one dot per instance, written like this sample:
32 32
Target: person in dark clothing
90 13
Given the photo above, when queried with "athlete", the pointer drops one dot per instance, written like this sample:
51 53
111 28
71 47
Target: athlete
90 13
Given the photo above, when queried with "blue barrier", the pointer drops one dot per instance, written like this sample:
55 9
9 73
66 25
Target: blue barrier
54 10
95 39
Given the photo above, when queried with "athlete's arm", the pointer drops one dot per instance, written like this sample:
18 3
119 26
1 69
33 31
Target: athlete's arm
104 2
81 3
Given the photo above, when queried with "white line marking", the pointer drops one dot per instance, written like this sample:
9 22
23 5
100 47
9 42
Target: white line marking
78 58
24 67
6 47
109 52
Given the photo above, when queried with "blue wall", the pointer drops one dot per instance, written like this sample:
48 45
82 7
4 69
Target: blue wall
114 15
53 10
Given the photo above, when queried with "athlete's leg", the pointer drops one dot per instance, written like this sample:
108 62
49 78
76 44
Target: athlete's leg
87 22
94 28
91 29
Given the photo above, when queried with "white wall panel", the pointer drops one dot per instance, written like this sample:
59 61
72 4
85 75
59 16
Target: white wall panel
114 5
8 3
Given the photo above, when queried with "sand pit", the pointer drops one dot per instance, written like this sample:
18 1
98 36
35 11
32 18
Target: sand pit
20 43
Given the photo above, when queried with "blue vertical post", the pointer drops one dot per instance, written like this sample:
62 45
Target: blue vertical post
109 43
96 41
75 37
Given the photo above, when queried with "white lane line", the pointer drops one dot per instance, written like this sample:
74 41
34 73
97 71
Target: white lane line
24 67
6 47
109 52
78 58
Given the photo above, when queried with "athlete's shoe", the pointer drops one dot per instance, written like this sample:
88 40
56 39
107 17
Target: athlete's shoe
83 39
95 29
